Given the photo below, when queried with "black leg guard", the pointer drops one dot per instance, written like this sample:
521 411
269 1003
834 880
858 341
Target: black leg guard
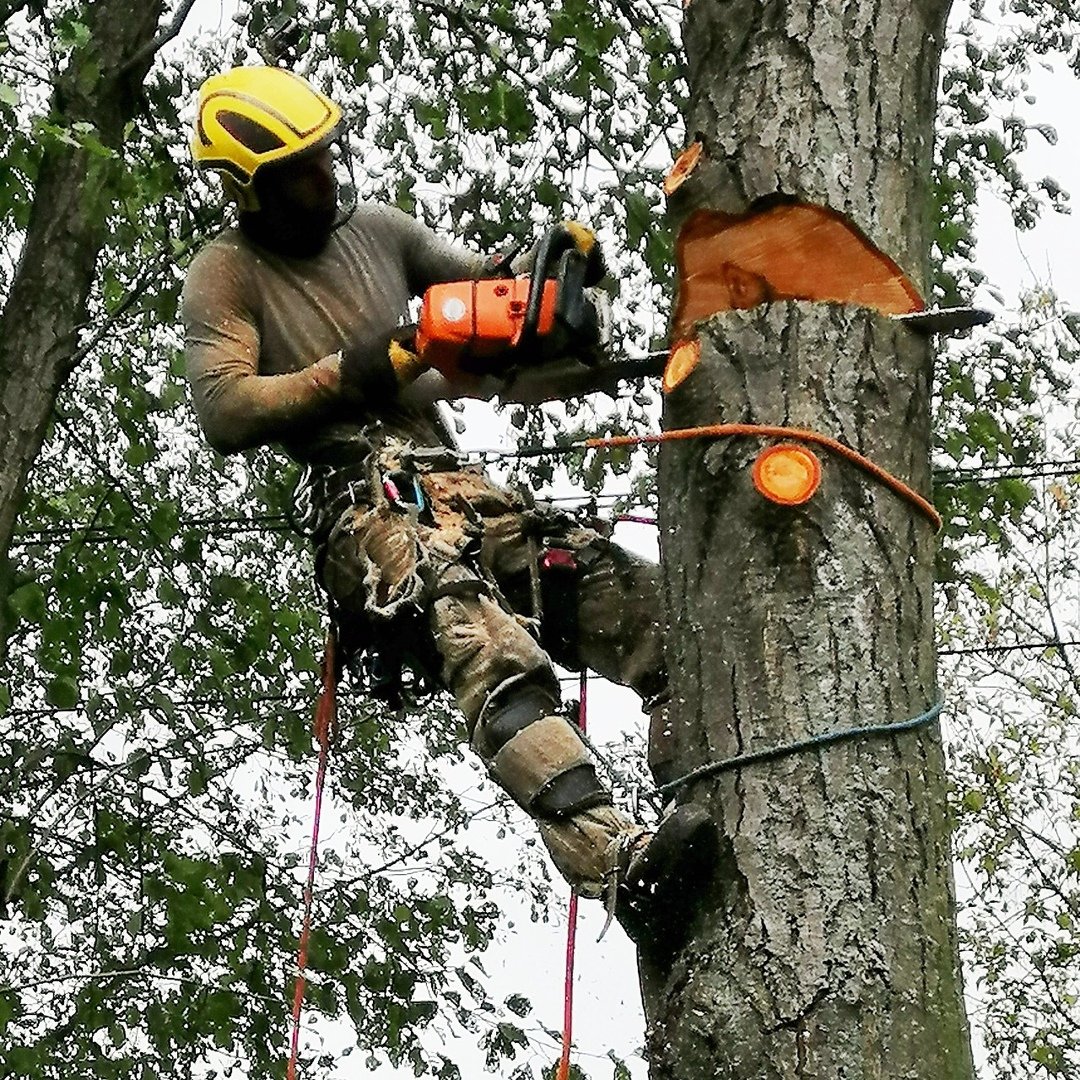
577 789
538 756
524 706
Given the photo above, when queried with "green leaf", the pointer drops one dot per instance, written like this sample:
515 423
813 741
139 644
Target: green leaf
28 602
513 1034
62 692
196 779
974 800
518 1005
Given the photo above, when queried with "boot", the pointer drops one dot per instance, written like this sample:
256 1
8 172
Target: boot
662 877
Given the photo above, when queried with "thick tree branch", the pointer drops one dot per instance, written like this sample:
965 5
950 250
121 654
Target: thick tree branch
47 301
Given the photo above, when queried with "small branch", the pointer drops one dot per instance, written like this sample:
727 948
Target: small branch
417 848
164 37
131 973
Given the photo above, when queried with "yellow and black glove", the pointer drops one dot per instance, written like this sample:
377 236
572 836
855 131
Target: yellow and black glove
585 241
377 366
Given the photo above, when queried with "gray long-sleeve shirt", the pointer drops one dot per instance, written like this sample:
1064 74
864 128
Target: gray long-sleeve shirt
263 333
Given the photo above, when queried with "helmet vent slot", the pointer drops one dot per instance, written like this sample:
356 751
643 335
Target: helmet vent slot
248 132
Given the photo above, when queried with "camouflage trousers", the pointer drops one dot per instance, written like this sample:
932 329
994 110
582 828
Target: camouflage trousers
438 553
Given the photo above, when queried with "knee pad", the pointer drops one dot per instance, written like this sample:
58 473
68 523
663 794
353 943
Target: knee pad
539 758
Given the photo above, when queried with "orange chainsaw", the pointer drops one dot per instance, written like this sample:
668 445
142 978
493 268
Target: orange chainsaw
496 324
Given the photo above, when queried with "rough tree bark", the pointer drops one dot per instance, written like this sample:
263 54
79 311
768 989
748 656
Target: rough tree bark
46 306
825 946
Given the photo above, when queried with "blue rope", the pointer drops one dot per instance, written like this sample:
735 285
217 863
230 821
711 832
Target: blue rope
818 742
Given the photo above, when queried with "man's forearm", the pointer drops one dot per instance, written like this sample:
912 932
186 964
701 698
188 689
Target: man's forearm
240 413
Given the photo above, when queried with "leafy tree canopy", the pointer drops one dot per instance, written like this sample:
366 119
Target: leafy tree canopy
164 635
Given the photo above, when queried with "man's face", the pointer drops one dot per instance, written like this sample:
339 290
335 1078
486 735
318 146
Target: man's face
300 195
307 182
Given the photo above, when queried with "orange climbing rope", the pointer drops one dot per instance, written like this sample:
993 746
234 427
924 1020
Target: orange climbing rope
769 431
325 719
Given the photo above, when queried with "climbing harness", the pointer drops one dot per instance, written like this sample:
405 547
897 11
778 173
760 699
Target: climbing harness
325 729
563 1071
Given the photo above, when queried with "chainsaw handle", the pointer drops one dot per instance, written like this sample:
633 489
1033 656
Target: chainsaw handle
553 243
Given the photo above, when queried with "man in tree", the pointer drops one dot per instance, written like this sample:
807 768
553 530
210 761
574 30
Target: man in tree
293 338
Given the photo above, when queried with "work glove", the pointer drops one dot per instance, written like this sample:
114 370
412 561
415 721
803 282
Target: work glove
585 241
378 365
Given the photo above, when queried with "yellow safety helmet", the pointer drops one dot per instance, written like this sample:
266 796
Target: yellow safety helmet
251 116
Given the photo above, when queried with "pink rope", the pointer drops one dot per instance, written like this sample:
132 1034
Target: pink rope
571 937
324 723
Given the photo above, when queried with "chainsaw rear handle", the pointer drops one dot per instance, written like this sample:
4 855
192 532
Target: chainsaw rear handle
553 244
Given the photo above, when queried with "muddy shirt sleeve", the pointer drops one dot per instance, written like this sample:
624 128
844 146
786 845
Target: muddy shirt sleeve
428 258
238 407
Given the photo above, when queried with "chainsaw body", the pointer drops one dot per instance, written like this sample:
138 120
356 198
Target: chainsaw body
497 324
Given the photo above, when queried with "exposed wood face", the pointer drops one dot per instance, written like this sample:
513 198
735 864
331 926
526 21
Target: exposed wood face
684 357
795 251
684 165
790 252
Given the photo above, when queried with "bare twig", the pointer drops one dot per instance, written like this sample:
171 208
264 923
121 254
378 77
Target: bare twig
168 32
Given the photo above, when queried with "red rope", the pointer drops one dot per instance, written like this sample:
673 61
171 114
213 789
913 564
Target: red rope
325 713
571 937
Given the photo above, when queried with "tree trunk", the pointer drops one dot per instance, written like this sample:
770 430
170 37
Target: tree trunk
825 946
46 307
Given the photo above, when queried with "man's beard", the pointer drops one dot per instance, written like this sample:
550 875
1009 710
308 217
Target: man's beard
295 232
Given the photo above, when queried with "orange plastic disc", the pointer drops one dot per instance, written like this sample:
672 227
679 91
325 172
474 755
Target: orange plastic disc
787 474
